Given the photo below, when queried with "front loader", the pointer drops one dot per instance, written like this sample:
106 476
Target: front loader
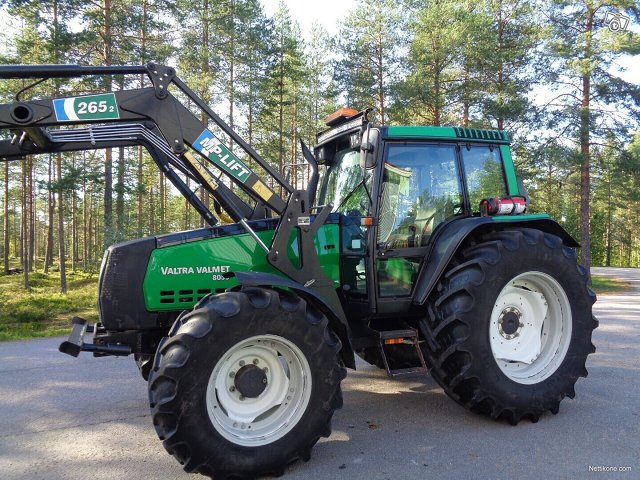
411 247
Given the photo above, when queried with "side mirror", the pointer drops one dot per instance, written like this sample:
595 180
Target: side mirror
368 148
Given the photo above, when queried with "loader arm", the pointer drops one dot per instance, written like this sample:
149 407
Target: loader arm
178 141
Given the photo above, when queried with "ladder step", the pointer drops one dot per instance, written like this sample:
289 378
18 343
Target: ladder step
407 372
390 337
405 333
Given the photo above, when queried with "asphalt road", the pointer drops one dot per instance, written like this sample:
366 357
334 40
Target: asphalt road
88 418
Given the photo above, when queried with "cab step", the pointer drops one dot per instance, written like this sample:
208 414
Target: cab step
404 336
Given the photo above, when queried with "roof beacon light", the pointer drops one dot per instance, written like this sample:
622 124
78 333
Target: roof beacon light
340 115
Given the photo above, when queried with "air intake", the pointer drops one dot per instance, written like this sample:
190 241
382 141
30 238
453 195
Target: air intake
480 134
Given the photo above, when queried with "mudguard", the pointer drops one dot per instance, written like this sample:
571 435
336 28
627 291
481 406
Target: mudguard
450 236
337 321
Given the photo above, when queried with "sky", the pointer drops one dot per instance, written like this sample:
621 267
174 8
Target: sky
326 12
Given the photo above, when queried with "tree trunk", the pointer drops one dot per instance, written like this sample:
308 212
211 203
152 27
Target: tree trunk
74 223
26 209
187 209
120 196
585 150
48 254
163 206
85 227
465 101
5 227
139 178
152 213
232 57
90 243
140 192
32 216
381 80
281 112
63 275
108 155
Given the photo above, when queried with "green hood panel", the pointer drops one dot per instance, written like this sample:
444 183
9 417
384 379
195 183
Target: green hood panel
179 275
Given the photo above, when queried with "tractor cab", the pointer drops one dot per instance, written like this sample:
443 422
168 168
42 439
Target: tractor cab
397 188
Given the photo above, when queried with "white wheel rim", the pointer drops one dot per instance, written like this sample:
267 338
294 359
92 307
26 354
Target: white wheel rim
530 328
274 412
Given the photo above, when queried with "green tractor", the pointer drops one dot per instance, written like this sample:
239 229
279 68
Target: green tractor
410 247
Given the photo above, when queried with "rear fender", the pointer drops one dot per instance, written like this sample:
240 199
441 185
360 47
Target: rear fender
337 322
451 235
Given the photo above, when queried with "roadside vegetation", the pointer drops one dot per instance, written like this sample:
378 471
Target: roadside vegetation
608 285
43 311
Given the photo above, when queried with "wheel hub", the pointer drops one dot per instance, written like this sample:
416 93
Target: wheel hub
250 381
258 390
510 323
530 327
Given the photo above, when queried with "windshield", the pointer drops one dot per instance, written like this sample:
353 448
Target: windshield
345 186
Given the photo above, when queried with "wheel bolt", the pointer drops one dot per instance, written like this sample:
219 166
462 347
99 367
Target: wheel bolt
241 397
232 374
241 363
265 369
255 361
232 388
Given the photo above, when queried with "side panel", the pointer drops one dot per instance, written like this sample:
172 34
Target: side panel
179 275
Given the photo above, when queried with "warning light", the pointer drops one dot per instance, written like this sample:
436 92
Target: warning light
366 222
340 115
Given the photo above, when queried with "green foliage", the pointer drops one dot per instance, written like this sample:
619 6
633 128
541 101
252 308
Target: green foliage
369 54
43 311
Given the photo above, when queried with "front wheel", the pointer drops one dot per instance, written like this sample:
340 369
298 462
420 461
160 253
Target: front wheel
246 383
509 330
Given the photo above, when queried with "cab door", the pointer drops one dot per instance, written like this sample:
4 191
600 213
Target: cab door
420 188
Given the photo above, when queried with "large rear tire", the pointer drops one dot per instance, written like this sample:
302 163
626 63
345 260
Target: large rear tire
509 328
246 383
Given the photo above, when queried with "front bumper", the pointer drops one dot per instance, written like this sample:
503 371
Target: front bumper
75 343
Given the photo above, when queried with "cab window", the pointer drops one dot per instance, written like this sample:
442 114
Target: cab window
484 173
420 189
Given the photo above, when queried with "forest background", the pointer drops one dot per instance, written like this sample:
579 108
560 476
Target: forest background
554 74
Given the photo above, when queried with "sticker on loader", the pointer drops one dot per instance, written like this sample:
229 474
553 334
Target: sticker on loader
216 151
88 107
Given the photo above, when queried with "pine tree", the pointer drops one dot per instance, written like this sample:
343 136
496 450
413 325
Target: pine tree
584 50
433 89
369 55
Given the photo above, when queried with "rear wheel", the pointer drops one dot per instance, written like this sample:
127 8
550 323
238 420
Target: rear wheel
246 383
509 330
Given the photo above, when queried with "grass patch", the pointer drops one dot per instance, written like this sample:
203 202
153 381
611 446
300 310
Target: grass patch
43 311
604 285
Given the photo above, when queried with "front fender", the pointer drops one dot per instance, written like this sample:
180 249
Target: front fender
337 322
451 235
